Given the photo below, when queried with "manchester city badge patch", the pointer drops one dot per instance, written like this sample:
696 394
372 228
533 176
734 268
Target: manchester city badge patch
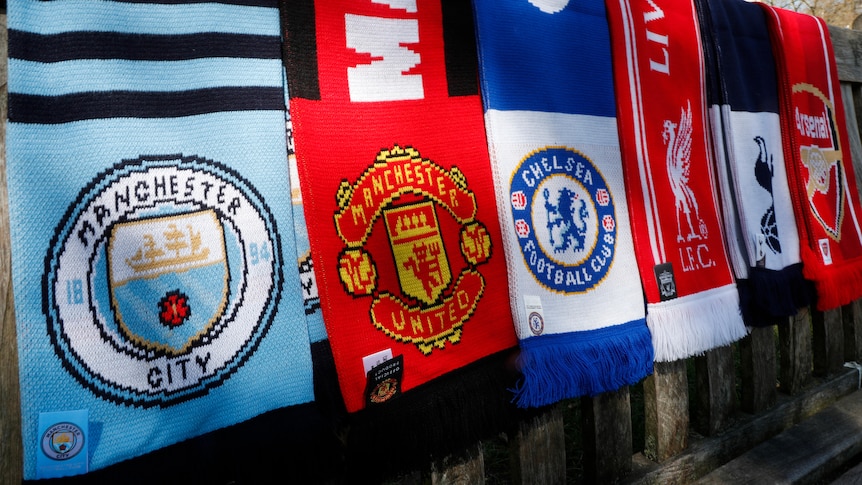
161 279
564 217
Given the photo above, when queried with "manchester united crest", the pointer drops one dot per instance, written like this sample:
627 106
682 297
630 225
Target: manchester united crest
161 279
406 196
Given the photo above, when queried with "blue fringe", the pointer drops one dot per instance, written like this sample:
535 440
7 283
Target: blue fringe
562 366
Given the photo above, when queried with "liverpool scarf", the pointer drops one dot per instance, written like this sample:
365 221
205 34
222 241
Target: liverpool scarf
692 301
395 176
760 229
150 229
549 113
817 156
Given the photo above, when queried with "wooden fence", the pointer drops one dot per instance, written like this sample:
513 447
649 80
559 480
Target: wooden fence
688 418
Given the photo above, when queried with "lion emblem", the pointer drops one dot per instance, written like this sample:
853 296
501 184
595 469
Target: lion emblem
566 220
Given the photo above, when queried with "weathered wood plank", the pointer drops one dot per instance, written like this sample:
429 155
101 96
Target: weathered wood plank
716 390
704 455
11 452
804 453
607 436
666 411
539 449
795 348
851 315
847 45
758 370
462 470
851 98
828 341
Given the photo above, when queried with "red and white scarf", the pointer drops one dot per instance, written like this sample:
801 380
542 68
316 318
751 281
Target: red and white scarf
692 301
817 156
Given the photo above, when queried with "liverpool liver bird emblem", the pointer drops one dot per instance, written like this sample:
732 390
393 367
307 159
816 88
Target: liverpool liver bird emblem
677 138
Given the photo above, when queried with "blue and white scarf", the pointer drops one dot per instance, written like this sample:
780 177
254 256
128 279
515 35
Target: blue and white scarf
577 300
151 229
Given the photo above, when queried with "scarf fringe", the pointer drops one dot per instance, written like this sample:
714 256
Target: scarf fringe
774 293
837 284
441 418
562 366
693 324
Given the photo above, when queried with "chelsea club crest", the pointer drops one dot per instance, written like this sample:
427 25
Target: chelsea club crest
161 279
564 218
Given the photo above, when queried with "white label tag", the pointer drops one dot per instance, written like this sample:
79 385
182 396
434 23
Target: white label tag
535 314
825 251
371 361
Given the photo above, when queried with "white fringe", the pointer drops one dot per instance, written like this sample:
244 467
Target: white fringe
693 324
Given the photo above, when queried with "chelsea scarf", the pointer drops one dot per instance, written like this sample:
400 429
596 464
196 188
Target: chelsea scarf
398 193
817 156
150 228
549 113
761 235
692 301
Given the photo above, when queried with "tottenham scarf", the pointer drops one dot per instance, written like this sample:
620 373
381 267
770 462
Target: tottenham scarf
760 229
150 228
394 168
817 156
549 113
692 301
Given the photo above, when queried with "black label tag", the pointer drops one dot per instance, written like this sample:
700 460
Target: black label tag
384 381
666 281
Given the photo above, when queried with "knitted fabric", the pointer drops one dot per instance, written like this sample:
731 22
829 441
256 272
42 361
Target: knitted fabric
150 222
398 194
760 229
692 301
817 156
549 114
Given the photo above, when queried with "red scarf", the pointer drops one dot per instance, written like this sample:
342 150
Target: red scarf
817 155
692 302
402 219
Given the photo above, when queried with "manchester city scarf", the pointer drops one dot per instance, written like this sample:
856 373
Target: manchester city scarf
817 156
151 229
692 301
549 114
403 230
760 229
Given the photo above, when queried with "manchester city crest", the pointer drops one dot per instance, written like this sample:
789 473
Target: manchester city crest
161 279
564 219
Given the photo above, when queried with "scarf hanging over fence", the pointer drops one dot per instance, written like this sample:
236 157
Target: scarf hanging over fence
817 156
762 239
150 227
394 168
549 114
692 301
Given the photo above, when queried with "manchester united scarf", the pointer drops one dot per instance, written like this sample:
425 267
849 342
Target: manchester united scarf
692 301
817 156
403 230
549 113
762 239
151 231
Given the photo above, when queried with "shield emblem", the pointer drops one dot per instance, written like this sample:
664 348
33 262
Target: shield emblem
414 233
168 279
824 187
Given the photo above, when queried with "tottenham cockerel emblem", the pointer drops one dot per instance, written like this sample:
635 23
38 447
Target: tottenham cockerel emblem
410 194
564 219
763 173
677 138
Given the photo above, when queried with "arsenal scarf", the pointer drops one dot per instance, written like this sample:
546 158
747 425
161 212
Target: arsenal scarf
397 188
692 301
549 114
760 229
150 234
817 156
